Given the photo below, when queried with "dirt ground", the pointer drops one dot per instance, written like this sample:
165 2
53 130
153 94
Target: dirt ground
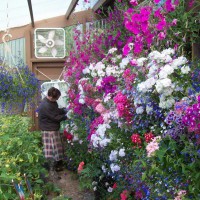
69 186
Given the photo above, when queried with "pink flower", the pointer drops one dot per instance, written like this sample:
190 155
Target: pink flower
134 2
126 50
161 35
174 22
156 1
133 62
191 3
114 186
80 167
100 108
180 195
124 194
176 47
152 147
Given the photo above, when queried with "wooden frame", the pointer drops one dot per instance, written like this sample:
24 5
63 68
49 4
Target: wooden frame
71 8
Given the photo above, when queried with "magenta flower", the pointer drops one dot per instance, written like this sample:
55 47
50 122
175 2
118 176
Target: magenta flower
138 48
169 6
156 1
134 2
161 35
161 25
126 50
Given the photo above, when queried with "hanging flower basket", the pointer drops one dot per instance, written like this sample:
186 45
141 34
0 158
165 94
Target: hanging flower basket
18 87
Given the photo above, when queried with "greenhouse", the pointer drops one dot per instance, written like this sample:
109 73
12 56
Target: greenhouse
100 100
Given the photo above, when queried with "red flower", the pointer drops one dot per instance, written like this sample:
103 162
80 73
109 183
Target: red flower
136 139
148 137
68 136
114 185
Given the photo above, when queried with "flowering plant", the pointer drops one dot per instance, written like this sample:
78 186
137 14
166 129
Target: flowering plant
128 108
18 85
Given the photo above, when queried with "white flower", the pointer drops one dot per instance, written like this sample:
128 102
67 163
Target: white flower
165 71
103 143
185 69
119 56
168 51
163 74
139 110
110 189
167 91
112 50
140 61
98 83
80 141
106 117
69 114
121 152
154 55
166 82
114 167
101 73
178 62
93 74
167 104
113 155
167 59
94 183
150 82
102 129
75 138
124 62
95 188
107 97
81 101
163 83
99 66
104 168
141 87
86 70
91 66
106 183
149 109
153 68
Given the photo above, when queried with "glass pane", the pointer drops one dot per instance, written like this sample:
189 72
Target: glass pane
84 5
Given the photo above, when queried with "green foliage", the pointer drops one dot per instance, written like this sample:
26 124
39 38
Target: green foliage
186 32
178 165
20 153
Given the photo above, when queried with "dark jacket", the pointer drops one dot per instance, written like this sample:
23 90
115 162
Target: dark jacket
50 115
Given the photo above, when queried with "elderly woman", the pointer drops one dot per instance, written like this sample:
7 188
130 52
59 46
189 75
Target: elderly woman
50 116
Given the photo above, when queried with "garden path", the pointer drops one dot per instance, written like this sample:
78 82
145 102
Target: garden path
69 186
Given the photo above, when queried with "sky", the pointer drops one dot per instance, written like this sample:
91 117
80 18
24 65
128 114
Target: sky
15 13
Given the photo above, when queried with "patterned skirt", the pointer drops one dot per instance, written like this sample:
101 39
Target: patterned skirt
53 147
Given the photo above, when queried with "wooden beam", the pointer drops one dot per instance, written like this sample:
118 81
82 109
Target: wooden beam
99 4
31 12
71 8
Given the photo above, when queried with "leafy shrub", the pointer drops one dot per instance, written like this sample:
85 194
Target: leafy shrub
20 153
